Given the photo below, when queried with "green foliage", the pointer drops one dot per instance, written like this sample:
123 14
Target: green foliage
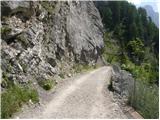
62 75
145 72
127 23
136 50
5 30
14 97
119 31
128 65
107 16
145 97
145 100
77 68
47 84
134 45
111 52
48 6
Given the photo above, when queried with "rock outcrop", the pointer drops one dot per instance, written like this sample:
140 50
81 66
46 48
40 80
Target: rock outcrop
43 39
122 84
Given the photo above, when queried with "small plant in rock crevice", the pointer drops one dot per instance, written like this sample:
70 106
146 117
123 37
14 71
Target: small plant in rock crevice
47 84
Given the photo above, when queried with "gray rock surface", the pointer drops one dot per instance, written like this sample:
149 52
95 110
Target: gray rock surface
122 83
15 4
44 39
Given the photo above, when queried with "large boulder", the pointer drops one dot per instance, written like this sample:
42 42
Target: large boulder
122 83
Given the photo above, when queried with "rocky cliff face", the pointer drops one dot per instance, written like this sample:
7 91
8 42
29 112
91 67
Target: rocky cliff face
40 40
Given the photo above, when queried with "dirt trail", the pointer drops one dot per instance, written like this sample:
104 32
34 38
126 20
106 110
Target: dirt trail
84 97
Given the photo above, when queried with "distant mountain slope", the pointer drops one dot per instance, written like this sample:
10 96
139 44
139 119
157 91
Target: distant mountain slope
154 15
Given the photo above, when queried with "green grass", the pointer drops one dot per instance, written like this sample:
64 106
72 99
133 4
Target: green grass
47 84
145 99
14 97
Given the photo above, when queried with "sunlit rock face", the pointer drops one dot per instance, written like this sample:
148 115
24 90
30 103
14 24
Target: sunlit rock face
40 40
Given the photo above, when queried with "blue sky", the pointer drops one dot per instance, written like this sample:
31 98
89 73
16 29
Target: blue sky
154 3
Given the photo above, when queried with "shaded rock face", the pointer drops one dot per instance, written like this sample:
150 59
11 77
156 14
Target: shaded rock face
42 39
85 30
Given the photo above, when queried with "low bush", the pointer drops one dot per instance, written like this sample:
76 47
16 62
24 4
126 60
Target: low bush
47 84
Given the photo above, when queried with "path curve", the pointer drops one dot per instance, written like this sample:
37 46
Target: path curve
83 97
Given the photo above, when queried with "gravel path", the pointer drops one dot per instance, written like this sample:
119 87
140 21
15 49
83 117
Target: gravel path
86 96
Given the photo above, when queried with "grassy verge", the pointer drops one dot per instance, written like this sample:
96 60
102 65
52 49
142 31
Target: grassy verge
145 99
14 97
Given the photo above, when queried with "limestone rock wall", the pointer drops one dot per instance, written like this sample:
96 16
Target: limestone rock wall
40 40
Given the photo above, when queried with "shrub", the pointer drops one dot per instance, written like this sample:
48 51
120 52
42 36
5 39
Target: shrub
13 98
136 50
5 30
47 84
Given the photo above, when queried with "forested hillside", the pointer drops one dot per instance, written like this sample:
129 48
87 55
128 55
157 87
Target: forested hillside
132 42
137 35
